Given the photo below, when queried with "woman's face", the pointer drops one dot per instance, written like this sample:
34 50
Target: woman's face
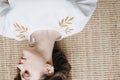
31 65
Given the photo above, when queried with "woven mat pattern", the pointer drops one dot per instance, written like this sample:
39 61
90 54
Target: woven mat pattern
94 53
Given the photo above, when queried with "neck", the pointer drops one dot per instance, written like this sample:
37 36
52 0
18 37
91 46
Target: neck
45 42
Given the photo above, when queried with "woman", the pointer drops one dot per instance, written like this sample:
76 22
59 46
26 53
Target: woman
40 62
42 23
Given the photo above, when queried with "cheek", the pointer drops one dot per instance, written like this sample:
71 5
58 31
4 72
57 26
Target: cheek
35 65
35 77
37 74
37 62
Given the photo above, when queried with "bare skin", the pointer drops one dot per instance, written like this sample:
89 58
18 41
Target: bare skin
37 60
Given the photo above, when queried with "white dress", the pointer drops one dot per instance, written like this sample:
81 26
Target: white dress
20 18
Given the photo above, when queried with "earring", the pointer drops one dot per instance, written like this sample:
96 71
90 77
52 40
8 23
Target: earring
53 67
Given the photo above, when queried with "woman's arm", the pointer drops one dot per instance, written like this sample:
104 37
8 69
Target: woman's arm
86 6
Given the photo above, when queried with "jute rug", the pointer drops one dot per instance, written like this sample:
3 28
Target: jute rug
94 53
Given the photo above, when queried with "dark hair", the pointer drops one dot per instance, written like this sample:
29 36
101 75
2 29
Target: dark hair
61 65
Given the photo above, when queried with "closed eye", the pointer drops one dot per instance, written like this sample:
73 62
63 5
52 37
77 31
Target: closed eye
26 75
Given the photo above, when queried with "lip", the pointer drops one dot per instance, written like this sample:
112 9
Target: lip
22 60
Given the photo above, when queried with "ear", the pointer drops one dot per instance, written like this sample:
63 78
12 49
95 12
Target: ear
49 70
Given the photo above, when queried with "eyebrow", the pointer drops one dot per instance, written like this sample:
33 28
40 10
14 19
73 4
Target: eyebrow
22 77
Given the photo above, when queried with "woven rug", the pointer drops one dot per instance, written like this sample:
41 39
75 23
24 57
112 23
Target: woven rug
94 53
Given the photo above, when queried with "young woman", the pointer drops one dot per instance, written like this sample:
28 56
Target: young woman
42 23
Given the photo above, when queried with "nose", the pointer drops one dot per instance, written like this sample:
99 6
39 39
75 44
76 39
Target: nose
21 67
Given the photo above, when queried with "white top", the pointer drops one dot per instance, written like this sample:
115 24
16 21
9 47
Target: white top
20 18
